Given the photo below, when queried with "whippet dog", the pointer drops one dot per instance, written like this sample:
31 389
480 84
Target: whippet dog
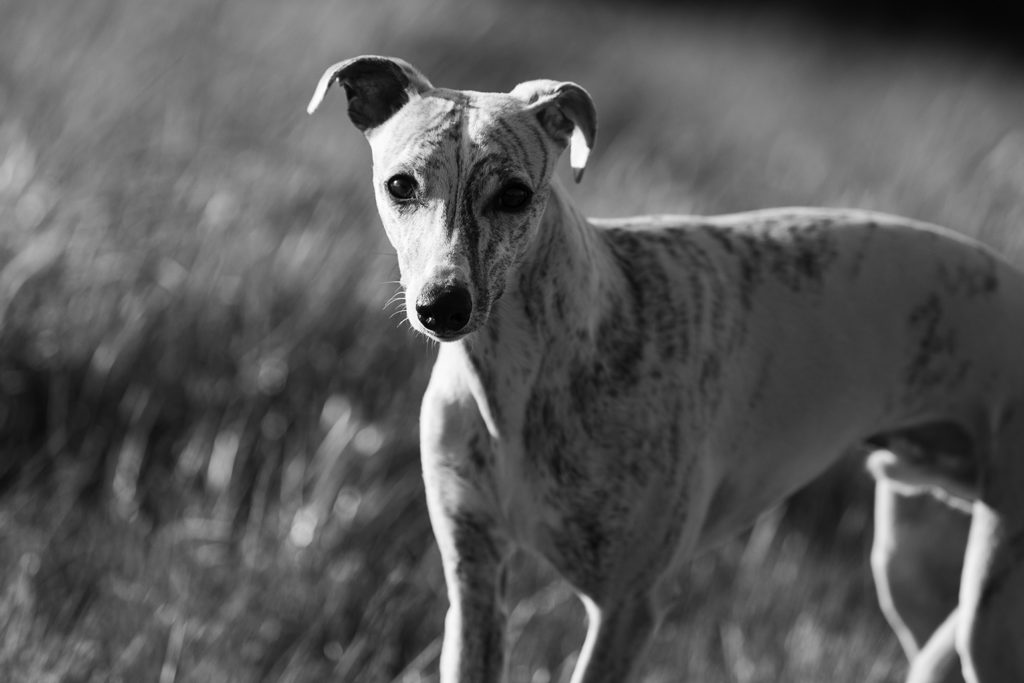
620 395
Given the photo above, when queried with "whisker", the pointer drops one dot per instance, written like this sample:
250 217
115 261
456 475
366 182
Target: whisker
398 296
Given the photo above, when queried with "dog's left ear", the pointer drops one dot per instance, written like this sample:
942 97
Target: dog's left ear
376 87
567 113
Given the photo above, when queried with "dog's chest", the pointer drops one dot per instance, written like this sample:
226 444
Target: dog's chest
597 456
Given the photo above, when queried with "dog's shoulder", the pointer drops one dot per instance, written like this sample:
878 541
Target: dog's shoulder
449 409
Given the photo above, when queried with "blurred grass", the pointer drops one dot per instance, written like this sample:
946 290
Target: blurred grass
207 423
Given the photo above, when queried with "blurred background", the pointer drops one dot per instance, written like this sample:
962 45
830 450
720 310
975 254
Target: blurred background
208 460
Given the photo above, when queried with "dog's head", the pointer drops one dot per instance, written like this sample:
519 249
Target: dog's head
461 178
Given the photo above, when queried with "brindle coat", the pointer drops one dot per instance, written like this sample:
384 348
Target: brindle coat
620 395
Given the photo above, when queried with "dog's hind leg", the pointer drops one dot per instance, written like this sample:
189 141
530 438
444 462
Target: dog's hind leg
617 635
916 559
938 661
990 634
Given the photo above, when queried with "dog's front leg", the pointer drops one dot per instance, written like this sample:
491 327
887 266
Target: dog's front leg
474 629
460 498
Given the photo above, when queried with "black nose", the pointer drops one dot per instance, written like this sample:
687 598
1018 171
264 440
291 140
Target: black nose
444 310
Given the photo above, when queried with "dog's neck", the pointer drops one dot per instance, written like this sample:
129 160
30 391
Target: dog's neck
567 284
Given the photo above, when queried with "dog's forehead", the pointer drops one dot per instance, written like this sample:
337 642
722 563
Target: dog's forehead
487 113
448 121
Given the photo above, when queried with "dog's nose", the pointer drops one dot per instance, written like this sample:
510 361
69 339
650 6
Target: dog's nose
444 310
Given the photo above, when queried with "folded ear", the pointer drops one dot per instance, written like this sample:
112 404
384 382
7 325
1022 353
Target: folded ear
567 112
376 87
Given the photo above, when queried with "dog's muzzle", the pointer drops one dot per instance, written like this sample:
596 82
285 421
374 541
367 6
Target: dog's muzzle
444 310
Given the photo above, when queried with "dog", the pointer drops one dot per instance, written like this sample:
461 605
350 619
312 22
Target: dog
620 395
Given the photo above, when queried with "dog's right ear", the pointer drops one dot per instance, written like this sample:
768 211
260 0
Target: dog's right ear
376 88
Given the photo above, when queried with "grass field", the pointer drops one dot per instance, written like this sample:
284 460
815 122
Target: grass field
209 467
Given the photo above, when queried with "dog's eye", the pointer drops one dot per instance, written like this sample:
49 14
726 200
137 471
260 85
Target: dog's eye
402 186
513 197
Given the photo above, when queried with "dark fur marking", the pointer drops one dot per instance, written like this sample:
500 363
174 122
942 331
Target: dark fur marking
542 146
494 334
479 591
746 249
710 375
510 133
969 280
798 256
870 230
561 309
931 364
590 541
473 463
620 339
479 453
816 250
547 442
668 319
526 283
719 236
748 282
471 229
697 292
475 546
712 296
757 392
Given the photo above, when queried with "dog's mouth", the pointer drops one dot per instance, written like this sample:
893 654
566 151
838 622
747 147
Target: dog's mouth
453 337
447 336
